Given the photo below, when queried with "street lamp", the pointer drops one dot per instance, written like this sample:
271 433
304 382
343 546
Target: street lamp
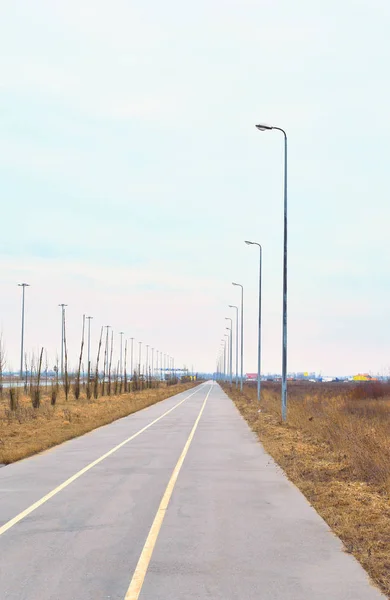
227 354
23 286
231 348
263 127
259 338
139 359
242 332
236 307
224 359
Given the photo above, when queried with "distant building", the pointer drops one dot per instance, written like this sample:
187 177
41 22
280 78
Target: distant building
364 377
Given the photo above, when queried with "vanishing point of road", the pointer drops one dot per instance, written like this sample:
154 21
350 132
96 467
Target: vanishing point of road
176 502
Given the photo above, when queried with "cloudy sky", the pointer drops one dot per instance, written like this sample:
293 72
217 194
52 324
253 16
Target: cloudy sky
131 173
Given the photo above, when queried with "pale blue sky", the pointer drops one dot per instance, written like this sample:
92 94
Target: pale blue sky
131 173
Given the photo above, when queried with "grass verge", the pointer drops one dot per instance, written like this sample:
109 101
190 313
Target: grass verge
28 430
336 449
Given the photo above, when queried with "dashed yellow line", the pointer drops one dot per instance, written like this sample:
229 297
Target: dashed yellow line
143 563
65 484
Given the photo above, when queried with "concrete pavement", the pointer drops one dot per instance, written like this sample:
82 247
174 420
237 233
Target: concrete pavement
234 528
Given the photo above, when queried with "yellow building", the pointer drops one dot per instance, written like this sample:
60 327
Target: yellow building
364 377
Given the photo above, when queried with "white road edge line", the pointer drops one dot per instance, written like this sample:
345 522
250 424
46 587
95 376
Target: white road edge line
138 578
73 478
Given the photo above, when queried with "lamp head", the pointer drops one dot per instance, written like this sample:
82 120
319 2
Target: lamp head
249 243
264 127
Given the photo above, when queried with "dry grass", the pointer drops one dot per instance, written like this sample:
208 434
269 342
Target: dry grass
336 449
28 430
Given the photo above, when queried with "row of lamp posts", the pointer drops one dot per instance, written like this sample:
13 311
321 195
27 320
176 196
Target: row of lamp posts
263 127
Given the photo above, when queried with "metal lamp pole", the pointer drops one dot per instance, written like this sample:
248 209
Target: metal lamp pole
236 307
23 286
231 348
242 333
263 127
139 359
259 338
227 354
224 359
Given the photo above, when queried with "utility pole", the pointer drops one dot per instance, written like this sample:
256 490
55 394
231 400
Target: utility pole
23 286
62 337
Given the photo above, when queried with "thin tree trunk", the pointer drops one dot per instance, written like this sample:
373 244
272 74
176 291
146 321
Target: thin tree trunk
77 386
125 371
66 363
109 368
96 384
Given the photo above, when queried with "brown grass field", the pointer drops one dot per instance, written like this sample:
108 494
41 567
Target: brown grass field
27 430
336 449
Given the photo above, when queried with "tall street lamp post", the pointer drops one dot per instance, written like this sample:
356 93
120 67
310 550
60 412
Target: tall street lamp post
263 127
259 334
236 307
224 359
231 348
23 286
242 333
227 336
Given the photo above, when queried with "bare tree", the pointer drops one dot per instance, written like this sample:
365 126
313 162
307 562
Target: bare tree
96 384
66 383
77 385
125 371
2 363
109 367
55 385
36 399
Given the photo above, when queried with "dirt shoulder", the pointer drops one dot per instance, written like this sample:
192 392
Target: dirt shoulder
358 511
26 430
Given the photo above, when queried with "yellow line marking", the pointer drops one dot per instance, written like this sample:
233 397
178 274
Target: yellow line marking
143 563
65 484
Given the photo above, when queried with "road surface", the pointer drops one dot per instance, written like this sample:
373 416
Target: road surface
178 501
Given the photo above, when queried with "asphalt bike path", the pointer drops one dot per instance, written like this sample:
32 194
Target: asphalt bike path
177 501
